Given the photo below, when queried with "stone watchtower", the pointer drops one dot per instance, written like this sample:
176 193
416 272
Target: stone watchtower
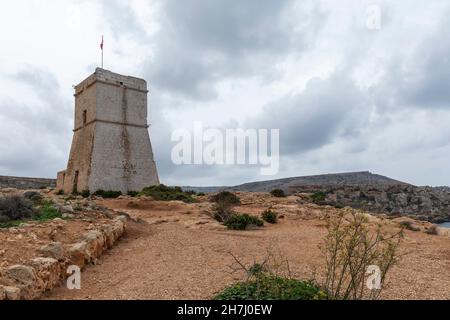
111 148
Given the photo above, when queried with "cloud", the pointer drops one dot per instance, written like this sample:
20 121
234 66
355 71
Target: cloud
326 110
204 43
344 97
34 134
419 78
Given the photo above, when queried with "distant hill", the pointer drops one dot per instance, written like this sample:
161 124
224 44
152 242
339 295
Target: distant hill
339 179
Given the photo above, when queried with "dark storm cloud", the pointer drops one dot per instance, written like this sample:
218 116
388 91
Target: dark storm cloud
421 81
205 42
326 110
121 19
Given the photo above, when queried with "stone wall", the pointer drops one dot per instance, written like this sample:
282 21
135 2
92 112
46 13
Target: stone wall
26 183
37 276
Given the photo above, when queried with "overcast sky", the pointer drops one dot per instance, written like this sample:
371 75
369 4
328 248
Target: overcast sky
344 96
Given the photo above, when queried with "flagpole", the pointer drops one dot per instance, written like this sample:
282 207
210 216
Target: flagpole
101 46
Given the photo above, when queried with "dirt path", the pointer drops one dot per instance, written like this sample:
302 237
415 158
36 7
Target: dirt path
181 253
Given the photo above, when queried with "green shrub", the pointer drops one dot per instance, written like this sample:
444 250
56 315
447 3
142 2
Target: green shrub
86 194
271 287
242 222
226 196
15 210
319 197
270 216
165 193
201 194
48 212
278 193
15 207
108 194
60 193
133 194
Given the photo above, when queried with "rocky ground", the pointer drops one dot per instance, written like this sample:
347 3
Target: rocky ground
421 203
177 251
34 255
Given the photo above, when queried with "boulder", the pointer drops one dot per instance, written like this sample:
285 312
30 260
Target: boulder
24 278
95 242
12 293
443 232
66 209
48 271
78 254
53 250
23 275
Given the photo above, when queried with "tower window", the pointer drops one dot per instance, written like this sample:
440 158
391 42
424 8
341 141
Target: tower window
84 117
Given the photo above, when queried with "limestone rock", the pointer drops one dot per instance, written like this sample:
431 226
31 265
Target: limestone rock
430 204
48 271
20 274
2 293
66 209
12 293
95 242
78 254
67 216
53 250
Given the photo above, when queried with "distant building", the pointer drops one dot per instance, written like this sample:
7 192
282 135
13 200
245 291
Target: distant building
111 148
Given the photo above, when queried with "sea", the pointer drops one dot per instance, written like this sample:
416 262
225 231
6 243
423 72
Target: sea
445 225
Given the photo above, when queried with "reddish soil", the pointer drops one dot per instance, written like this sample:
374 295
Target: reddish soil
19 245
178 251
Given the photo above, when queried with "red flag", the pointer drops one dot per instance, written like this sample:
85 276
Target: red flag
101 44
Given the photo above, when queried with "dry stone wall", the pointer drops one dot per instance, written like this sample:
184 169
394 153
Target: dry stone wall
43 273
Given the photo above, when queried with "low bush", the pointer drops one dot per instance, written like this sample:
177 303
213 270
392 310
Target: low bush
133 194
223 211
60 193
319 197
108 194
243 222
47 212
33 196
86 194
15 207
270 287
269 279
270 216
278 193
165 193
408 225
351 247
227 197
